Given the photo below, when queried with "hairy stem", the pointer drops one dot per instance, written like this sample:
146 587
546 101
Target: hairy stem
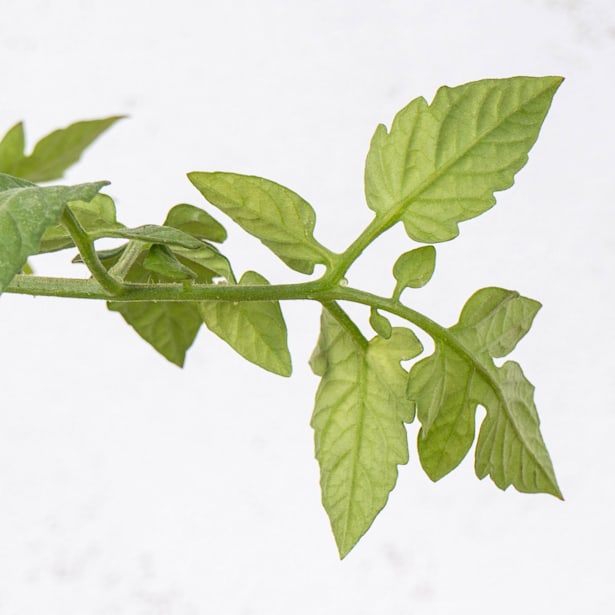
125 262
88 254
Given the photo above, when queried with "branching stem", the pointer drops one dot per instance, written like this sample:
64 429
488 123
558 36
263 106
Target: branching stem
88 253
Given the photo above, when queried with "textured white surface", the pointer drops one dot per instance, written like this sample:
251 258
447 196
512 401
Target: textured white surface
129 487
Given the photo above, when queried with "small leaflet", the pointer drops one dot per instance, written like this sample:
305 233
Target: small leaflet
168 326
414 269
380 324
255 329
195 221
160 259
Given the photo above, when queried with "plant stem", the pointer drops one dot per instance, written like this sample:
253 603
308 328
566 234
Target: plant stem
88 254
342 318
316 290
344 260
126 260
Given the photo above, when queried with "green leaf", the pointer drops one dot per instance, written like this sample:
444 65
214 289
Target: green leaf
59 150
358 420
443 387
151 233
510 447
497 319
108 257
95 215
255 329
12 149
380 324
25 212
448 386
195 221
8 182
441 163
160 259
169 326
279 217
206 262
414 269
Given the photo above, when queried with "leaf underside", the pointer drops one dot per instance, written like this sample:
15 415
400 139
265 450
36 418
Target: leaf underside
440 164
255 329
358 423
279 217
448 386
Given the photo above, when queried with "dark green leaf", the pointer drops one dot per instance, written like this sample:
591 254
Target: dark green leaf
279 217
255 329
59 150
195 221
25 213
8 182
358 420
441 163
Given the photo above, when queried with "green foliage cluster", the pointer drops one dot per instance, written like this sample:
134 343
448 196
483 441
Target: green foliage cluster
437 166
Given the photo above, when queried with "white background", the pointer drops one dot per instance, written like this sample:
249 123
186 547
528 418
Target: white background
131 487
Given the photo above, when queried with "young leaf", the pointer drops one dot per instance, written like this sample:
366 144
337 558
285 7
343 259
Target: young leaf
107 257
25 212
160 259
380 324
12 149
448 386
441 163
279 217
255 329
195 221
206 262
414 269
59 150
358 420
